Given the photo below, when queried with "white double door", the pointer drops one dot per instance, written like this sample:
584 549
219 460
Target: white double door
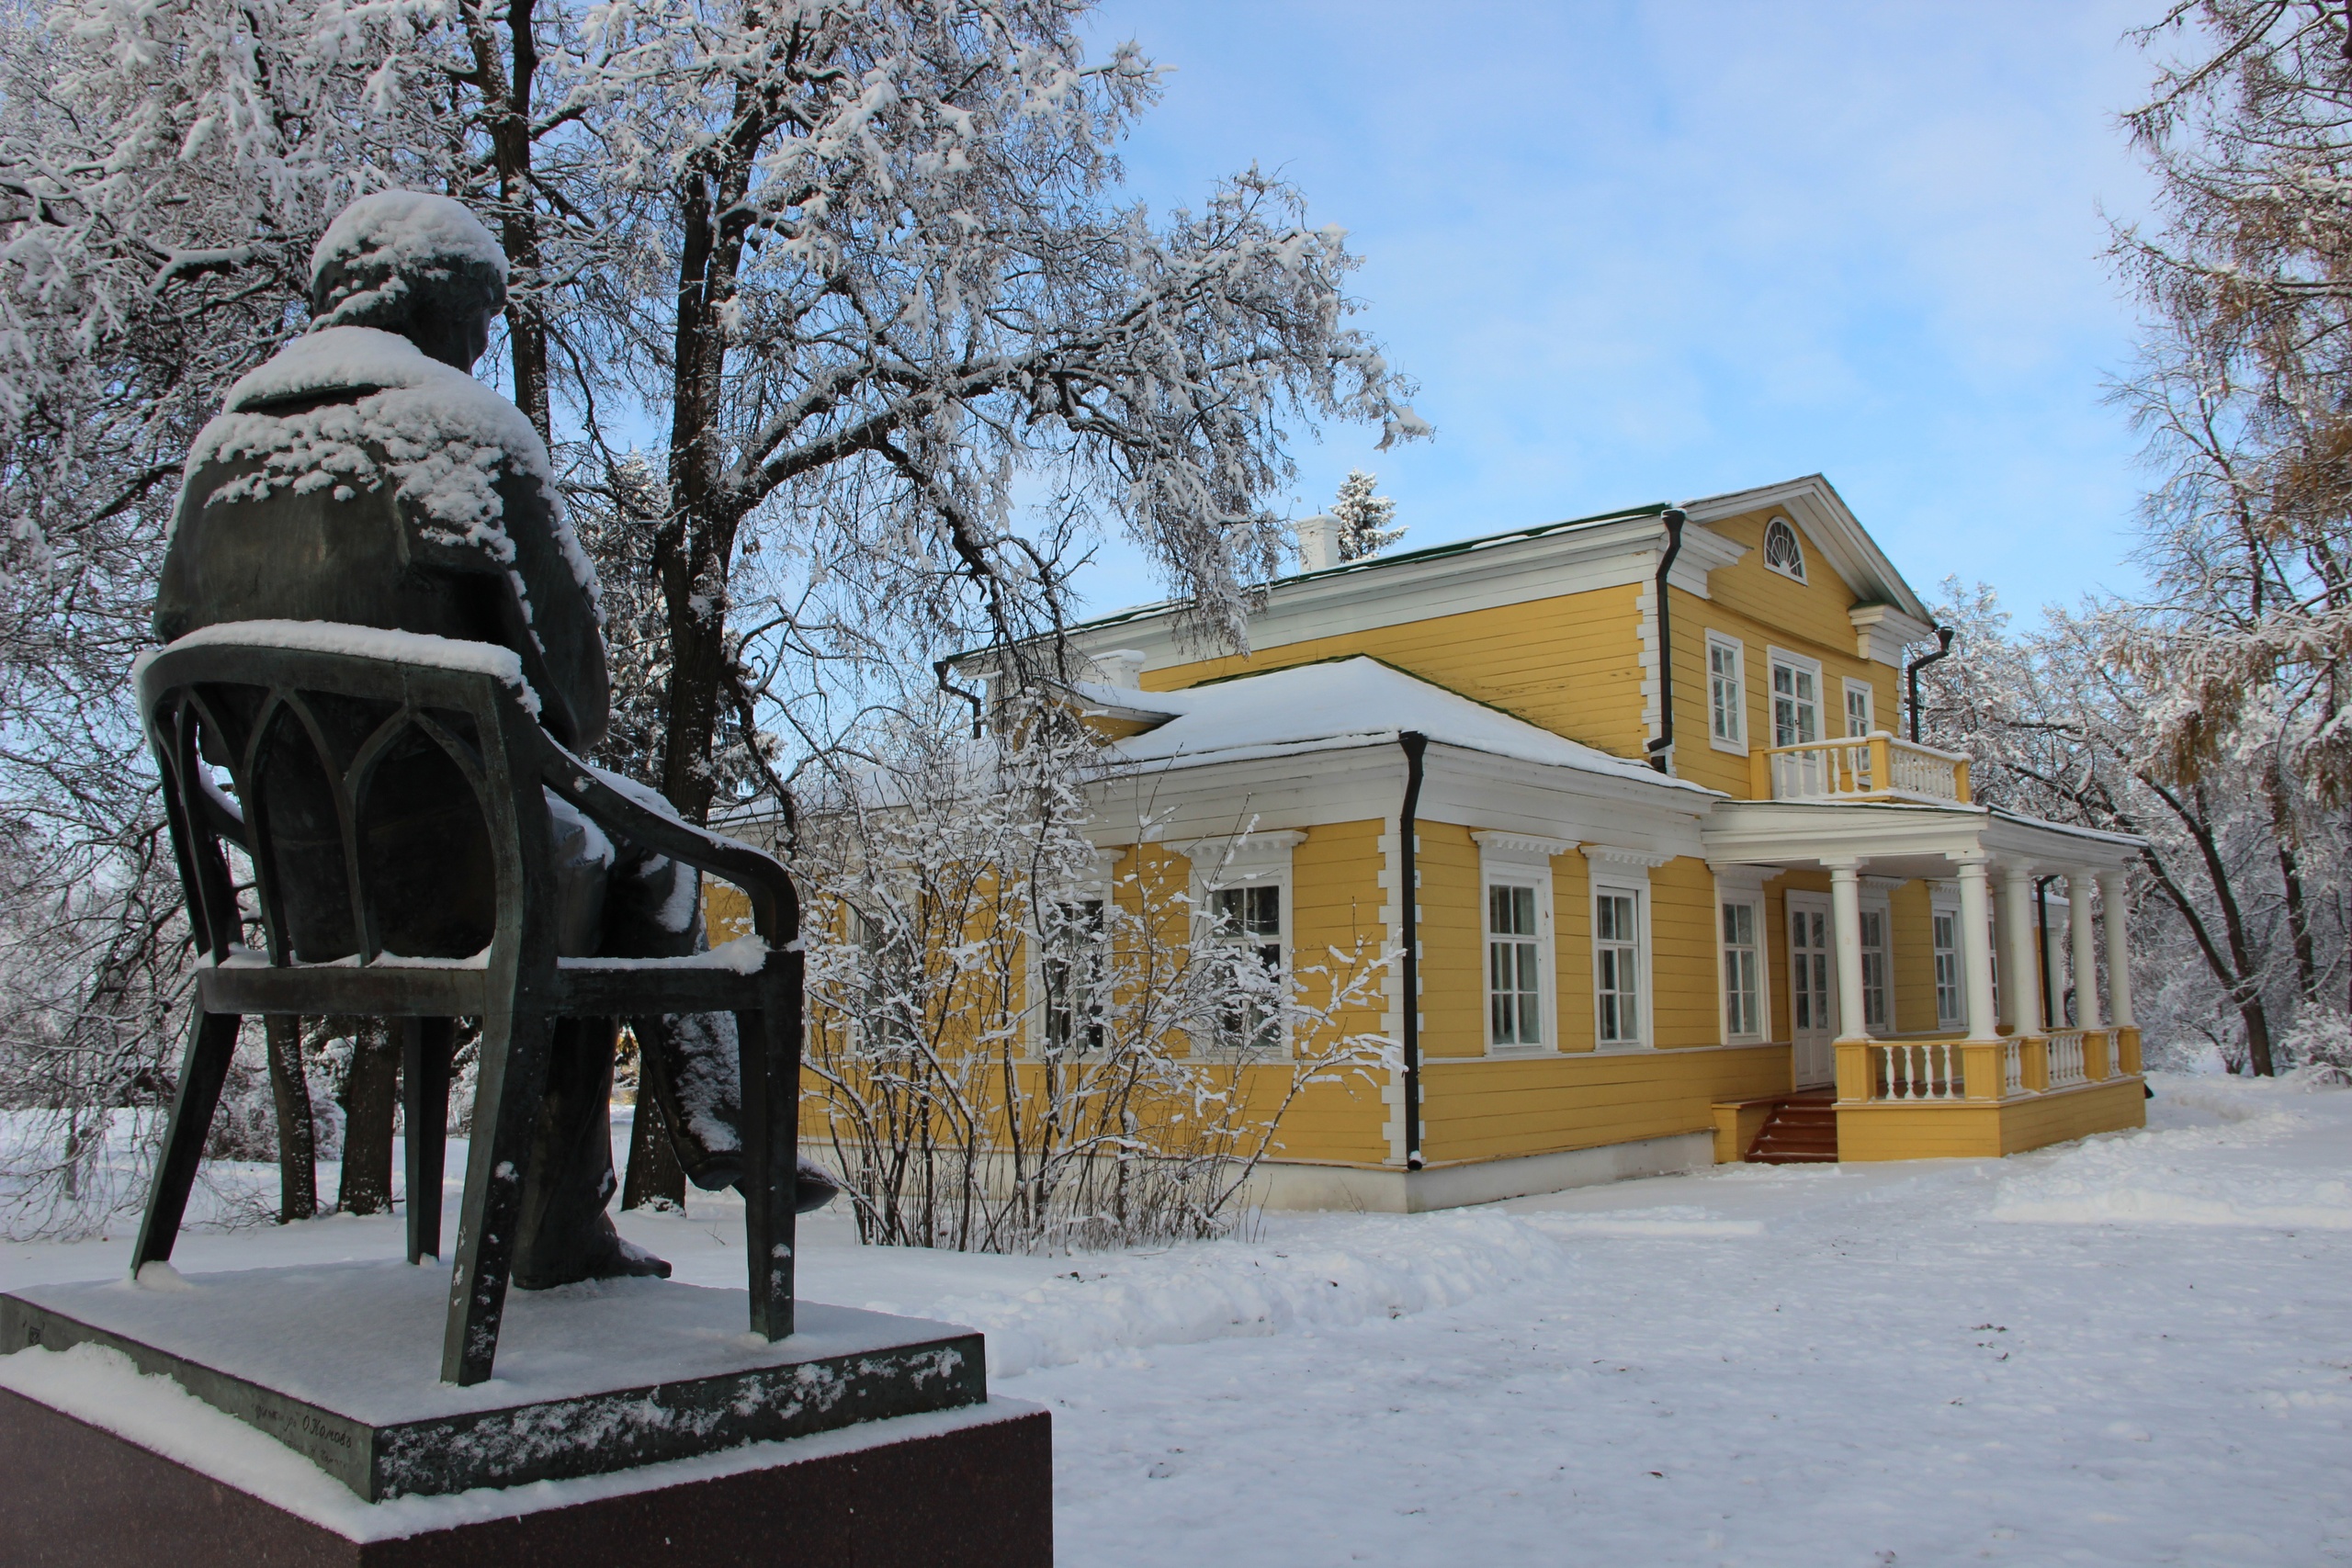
1812 988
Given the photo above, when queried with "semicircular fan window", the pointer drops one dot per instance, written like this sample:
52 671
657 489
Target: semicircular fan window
1783 553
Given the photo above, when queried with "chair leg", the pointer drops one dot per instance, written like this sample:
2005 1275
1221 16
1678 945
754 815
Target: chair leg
427 1046
506 1108
769 1046
204 1066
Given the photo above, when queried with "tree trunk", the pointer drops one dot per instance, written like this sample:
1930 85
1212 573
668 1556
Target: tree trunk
370 1098
289 1089
2290 874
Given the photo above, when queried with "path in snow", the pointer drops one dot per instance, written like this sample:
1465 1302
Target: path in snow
2133 1350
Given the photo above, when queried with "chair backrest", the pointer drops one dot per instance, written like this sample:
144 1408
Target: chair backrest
386 791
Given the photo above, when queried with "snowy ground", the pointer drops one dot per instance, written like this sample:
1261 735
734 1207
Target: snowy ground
2132 1350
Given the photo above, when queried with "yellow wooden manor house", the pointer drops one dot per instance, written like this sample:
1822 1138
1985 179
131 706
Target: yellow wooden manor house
1795 938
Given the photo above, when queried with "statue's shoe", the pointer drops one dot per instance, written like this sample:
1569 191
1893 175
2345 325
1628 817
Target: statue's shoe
607 1256
818 1186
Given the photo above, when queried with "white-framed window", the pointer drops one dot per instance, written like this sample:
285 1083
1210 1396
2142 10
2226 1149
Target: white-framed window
1950 1008
1621 960
1069 960
1619 985
1783 552
1241 892
888 1000
1073 974
1878 988
1251 921
1743 950
1726 693
1796 699
1617 967
1515 890
1858 708
1517 1014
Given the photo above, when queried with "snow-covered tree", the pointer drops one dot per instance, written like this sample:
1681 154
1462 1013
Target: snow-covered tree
2240 919
2246 381
865 266
1366 521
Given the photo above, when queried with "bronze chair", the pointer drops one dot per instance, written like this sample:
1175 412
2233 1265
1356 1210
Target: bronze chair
252 699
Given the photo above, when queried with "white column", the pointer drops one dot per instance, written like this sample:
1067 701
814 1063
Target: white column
2078 910
2002 944
1976 949
2114 915
1846 915
2025 965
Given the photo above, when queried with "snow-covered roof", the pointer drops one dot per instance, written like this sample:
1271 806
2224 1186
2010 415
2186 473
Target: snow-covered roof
1339 704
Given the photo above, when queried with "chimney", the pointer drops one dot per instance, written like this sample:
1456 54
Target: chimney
1122 668
1318 542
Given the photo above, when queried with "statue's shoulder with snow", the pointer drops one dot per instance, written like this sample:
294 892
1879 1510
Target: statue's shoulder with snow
364 476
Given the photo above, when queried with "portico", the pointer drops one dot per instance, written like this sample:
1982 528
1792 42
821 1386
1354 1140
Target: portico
2024 1049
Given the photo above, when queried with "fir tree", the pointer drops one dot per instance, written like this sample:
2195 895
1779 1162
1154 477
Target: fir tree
1364 518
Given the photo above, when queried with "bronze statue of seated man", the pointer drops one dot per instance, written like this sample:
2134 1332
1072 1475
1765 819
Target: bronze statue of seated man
363 476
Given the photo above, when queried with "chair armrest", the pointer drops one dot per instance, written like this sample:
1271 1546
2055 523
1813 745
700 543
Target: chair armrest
776 902
223 814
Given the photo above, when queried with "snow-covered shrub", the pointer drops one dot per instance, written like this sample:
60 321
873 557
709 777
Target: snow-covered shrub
1019 1052
2318 1046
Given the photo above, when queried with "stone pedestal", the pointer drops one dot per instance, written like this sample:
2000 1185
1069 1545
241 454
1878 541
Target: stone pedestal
293 1417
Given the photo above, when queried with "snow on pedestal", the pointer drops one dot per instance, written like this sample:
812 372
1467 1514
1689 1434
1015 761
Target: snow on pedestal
339 1364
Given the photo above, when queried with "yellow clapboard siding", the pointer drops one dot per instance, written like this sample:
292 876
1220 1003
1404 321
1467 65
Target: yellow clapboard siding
1501 1110
1763 609
1571 664
1685 996
1875 1132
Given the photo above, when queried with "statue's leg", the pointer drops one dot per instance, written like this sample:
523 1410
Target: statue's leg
692 1063
689 1062
565 1234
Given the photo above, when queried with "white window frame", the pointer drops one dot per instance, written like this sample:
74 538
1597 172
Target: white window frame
1764 550
1735 710
1869 694
1732 891
1625 873
1519 860
1098 886
1944 905
1775 658
1261 860
1876 902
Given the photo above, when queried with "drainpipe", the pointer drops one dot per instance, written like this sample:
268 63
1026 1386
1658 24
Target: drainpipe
1414 744
1911 673
1660 747
939 667
2050 1019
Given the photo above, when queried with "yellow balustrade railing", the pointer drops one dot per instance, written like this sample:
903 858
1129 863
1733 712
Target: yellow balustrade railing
1950 1069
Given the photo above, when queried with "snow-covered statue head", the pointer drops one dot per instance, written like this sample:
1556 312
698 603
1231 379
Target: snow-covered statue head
363 476
411 263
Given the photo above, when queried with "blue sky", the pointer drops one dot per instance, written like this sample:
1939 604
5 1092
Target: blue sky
1637 253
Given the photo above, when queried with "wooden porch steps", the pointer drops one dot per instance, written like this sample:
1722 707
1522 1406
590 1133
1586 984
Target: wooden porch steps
1802 1130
